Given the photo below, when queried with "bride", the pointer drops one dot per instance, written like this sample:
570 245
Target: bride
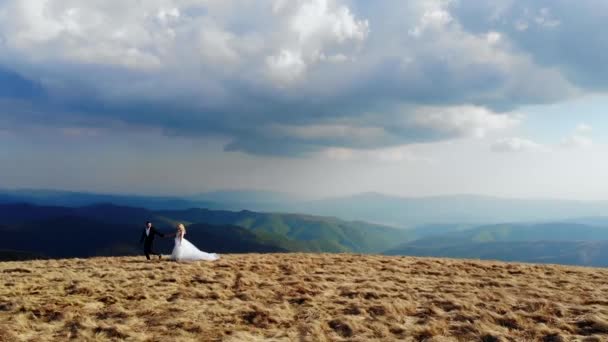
184 250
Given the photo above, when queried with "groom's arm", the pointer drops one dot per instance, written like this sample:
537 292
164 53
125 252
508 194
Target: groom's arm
143 236
157 233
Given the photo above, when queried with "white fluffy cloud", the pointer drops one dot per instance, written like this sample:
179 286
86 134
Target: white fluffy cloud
464 120
583 128
434 17
396 154
116 34
580 138
157 34
315 29
286 66
577 141
333 131
516 144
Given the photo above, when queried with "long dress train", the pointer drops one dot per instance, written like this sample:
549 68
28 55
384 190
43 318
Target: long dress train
184 250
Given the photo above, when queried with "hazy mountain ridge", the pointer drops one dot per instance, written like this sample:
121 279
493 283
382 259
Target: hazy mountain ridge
560 243
567 241
80 199
551 231
465 209
582 253
369 207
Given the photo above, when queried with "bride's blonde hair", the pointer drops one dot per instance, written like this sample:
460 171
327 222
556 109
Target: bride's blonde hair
181 228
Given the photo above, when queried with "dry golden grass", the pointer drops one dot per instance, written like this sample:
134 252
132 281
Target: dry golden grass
301 297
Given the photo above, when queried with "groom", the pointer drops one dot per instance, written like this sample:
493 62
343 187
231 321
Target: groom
147 237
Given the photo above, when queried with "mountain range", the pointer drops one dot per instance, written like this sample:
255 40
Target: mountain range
402 212
558 243
58 224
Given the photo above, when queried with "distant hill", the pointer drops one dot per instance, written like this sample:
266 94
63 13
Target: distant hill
23 212
601 221
427 230
228 239
67 236
11 255
249 199
227 200
552 231
562 243
79 199
301 232
583 253
108 229
71 236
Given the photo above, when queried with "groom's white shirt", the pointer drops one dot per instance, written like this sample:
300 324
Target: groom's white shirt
147 231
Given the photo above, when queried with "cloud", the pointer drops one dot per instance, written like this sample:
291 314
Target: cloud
555 34
318 21
78 132
15 86
313 27
580 138
545 19
315 132
577 141
516 144
435 17
403 125
286 66
296 77
583 129
464 120
386 155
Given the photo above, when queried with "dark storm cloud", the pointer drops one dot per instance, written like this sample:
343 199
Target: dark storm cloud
15 86
275 93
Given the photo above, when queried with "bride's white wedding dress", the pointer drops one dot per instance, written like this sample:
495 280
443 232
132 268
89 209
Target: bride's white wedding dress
184 250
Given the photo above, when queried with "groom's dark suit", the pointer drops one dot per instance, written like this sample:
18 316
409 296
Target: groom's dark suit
148 240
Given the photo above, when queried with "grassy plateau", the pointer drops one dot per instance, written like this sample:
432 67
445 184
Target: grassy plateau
301 297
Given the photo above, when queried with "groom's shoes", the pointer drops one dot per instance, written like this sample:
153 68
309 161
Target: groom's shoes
159 257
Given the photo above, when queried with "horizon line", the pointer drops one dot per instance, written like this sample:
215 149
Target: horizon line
296 197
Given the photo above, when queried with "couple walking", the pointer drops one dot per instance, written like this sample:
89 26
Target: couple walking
183 250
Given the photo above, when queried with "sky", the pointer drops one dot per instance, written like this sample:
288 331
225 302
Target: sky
313 97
